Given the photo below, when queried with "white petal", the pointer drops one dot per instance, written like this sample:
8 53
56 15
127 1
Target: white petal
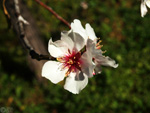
75 86
90 32
105 61
78 28
148 3
54 50
67 40
91 47
52 71
87 64
143 9
77 39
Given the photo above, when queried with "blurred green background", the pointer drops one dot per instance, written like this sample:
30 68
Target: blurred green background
126 37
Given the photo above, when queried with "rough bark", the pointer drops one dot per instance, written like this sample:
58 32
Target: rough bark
31 33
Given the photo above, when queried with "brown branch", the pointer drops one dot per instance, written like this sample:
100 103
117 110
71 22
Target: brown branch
24 40
31 33
53 12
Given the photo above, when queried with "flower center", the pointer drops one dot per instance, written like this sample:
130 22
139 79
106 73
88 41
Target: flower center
71 61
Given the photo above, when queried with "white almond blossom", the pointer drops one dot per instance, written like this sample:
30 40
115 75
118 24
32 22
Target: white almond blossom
144 5
71 63
78 55
93 48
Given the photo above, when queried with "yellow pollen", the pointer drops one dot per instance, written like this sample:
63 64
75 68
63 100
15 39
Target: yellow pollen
67 73
98 42
63 67
70 61
60 59
72 70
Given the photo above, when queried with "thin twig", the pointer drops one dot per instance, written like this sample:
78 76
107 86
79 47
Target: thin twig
53 12
21 22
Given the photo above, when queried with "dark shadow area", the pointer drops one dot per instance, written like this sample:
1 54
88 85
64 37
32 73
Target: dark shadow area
17 68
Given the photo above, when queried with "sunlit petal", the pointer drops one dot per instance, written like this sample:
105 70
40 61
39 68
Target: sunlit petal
54 50
75 86
148 3
78 40
68 42
143 9
52 71
90 32
78 28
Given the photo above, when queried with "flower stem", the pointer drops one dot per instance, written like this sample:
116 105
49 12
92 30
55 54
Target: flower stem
53 12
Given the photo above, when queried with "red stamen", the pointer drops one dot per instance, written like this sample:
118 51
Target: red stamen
71 61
